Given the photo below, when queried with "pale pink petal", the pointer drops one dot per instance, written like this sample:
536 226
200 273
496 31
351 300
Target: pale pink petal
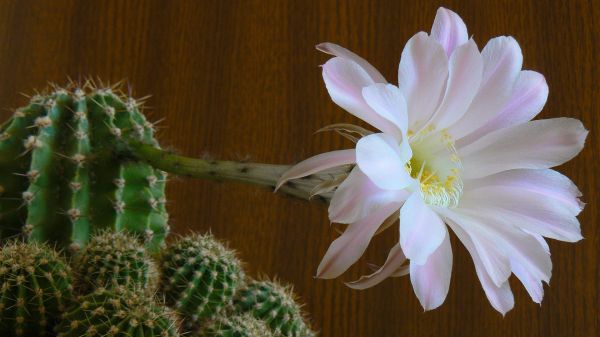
431 281
491 255
464 78
358 197
511 241
502 61
537 144
387 100
421 229
540 239
534 286
318 163
394 261
336 50
543 202
422 77
449 30
527 100
345 80
350 246
500 297
384 161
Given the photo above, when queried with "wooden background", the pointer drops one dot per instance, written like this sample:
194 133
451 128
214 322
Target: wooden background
240 79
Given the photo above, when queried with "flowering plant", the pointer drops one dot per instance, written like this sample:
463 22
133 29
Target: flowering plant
454 147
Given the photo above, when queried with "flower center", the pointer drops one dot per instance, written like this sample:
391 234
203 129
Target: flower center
436 165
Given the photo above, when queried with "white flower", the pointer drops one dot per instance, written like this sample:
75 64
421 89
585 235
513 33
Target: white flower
456 148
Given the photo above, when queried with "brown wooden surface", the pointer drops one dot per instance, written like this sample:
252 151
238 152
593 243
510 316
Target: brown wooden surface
240 79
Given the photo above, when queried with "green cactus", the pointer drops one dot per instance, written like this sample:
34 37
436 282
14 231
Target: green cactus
114 259
199 276
65 170
275 304
236 326
35 288
119 312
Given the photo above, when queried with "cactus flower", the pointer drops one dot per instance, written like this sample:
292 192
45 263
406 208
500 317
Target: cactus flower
455 148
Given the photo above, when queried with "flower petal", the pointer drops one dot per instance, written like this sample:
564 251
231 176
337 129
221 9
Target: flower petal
318 163
534 286
387 100
512 242
502 61
421 229
500 297
537 144
526 101
449 30
431 281
464 78
350 246
422 77
336 50
381 158
543 202
357 197
393 262
344 80
489 253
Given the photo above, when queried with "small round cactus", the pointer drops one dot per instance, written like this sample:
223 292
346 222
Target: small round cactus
275 304
35 288
114 259
200 276
119 312
244 325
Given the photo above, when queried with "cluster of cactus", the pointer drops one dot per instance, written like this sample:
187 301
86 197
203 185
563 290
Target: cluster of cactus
201 282
82 160
65 172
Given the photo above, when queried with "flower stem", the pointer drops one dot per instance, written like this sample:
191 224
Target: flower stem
259 174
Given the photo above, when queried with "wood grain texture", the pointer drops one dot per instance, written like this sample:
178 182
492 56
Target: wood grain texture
240 79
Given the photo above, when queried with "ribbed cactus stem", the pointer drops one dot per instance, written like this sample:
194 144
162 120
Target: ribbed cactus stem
266 175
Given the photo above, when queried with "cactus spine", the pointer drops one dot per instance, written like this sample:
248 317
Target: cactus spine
65 171
114 259
120 312
200 276
35 288
236 326
275 304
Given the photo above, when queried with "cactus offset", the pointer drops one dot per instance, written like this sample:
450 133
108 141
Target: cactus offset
35 288
120 312
236 326
199 276
65 171
113 259
275 304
